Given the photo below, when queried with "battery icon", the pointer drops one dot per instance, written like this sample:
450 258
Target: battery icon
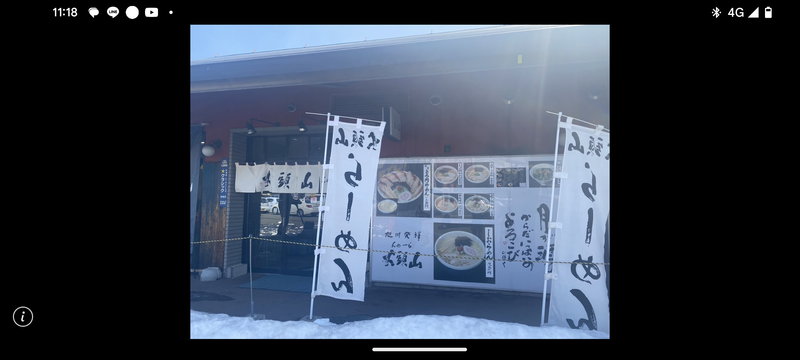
768 12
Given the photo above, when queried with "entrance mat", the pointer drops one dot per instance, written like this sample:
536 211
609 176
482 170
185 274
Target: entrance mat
282 283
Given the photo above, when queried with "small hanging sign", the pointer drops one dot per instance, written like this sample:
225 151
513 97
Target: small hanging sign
223 183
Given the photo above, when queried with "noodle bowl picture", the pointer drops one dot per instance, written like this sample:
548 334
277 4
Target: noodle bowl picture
542 173
459 250
477 174
446 174
446 203
476 204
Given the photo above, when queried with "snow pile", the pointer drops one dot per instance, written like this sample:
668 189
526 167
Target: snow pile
221 326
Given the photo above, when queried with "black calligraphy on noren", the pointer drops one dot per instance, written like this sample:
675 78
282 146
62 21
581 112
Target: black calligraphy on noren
284 182
266 178
348 280
349 241
348 175
588 266
306 183
591 322
586 186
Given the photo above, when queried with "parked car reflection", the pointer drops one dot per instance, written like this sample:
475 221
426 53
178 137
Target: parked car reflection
296 225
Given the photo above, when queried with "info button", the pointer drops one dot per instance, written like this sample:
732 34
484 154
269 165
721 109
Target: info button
151 12
23 316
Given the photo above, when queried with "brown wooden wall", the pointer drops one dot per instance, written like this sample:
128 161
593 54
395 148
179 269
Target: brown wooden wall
212 219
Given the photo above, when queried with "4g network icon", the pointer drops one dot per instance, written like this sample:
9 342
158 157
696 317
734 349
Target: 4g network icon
739 12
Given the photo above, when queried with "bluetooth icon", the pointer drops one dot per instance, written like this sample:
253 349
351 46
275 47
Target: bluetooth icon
715 12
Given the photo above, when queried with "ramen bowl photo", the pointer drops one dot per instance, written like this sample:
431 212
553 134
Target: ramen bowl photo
459 250
446 203
542 173
446 174
476 174
476 204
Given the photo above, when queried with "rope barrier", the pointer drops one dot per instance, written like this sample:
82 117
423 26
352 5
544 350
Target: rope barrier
401 252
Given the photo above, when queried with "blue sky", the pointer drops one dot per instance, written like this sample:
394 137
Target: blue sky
208 41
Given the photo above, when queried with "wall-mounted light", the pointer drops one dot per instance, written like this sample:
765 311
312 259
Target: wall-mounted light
302 126
251 130
292 107
208 149
436 100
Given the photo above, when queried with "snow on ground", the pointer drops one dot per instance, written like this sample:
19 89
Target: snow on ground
221 326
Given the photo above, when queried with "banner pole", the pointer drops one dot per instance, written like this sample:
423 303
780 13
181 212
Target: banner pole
550 220
252 312
322 202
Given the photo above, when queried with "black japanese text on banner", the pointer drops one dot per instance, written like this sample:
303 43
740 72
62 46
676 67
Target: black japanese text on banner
351 183
278 178
579 297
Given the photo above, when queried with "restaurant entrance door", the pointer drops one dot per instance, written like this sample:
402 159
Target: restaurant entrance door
286 224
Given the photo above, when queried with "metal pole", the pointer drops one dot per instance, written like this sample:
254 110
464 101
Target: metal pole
322 202
549 221
252 312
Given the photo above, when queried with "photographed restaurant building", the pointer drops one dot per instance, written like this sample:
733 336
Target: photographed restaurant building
468 108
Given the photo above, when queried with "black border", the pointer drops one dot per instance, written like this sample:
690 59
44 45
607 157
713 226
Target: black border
129 83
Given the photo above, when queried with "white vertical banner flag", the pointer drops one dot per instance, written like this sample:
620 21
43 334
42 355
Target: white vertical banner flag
352 178
579 297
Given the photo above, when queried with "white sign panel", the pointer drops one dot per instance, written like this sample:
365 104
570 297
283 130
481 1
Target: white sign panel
278 178
474 222
579 297
345 236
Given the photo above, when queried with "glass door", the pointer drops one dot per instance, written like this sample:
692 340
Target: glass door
290 220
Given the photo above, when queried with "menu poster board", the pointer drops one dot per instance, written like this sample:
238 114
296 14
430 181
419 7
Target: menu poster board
486 227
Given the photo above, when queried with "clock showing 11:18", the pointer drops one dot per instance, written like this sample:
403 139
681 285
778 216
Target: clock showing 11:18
61 12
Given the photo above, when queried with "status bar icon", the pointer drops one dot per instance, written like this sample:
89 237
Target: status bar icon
715 12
